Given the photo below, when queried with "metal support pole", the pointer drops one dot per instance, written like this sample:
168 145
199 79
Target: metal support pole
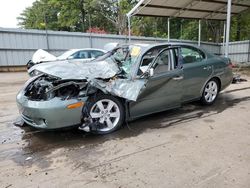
229 4
168 29
130 14
248 54
46 32
47 39
224 37
129 29
90 35
199 36
181 30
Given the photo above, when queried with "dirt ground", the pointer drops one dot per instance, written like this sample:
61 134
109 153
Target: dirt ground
193 146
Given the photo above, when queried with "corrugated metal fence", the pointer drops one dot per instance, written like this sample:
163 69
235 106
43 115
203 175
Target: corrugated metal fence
18 45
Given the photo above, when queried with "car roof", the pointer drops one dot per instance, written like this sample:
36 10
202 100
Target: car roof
151 45
165 43
148 46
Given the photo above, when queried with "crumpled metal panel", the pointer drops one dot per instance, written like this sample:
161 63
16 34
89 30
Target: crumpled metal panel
127 89
78 70
94 73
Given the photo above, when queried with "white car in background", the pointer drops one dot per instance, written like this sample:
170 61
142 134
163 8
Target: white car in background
82 55
86 53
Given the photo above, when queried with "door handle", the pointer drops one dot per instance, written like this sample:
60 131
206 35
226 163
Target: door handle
207 68
178 78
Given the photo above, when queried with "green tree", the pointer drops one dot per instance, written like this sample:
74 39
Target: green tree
240 28
114 11
110 15
38 16
77 15
55 15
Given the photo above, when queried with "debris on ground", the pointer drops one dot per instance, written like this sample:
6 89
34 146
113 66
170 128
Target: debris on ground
237 78
28 158
19 122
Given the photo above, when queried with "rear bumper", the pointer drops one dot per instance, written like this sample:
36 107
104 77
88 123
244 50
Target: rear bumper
226 79
50 114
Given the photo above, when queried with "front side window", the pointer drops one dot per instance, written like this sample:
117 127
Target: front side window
191 55
148 59
162 62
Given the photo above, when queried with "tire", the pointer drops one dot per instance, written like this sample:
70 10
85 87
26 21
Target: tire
210 92
107 112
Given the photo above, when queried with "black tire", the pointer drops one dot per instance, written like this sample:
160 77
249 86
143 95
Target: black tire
100 97
204 99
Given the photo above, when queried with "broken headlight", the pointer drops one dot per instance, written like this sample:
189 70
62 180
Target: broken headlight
35 73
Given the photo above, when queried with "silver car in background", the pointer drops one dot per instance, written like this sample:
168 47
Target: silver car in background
84 55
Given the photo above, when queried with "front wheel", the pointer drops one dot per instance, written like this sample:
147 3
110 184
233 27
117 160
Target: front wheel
107 112
210 92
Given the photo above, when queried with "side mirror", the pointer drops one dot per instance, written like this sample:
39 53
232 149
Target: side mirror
151 72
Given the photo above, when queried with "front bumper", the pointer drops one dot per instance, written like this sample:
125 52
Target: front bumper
51 114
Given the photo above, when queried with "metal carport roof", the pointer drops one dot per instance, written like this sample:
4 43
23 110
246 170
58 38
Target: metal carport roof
195 9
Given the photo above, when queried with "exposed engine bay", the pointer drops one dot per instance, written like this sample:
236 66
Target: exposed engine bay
46 87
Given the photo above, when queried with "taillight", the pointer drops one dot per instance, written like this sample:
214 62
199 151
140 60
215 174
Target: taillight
230 64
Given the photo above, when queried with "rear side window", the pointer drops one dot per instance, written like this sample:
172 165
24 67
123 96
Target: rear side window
191 55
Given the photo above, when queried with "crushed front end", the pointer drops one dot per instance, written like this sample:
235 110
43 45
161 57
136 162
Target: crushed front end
59 92
49 103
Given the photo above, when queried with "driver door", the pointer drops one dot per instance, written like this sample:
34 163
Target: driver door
163 88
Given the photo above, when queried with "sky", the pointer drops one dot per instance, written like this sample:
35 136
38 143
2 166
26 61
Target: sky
10 10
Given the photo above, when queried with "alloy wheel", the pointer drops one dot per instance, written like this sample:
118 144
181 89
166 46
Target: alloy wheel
211 91
106 112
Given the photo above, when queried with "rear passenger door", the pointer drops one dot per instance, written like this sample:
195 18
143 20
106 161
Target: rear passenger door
196 72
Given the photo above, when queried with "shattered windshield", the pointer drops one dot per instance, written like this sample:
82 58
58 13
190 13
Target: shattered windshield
125 57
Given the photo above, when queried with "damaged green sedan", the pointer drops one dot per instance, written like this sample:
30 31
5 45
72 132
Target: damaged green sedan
128 82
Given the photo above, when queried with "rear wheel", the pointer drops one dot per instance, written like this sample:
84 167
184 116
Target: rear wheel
108 112
210 92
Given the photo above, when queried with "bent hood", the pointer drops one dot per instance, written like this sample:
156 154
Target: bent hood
78 70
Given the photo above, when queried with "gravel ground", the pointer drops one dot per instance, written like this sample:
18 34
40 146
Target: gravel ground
193 146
